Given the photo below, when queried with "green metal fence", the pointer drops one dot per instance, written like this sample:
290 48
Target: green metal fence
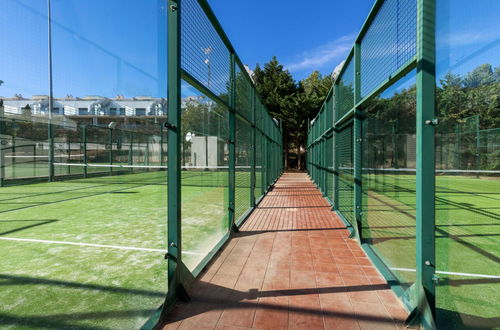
243 151
79 150
405 148
94 199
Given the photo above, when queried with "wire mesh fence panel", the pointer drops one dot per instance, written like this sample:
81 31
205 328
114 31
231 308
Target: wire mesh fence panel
24 149
489 149
244 149
243 93
345 95
329 166
258 164
346 173
389 43
98 148
204 55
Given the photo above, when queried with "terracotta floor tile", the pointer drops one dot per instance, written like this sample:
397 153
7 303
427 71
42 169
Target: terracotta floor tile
292 266
338 314
241 315
362 296
305 312
373 316
272 313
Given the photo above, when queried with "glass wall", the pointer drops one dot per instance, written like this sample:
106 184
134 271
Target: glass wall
410 187
204 175
389 178
83 157
83 175
468 164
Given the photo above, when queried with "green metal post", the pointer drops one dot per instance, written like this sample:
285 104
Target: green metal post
110 151
174 149
335 152
232 147
131 151
2 150
51 150
253 156
264 163
68 151
323 166
147 152
357 143
161 145
51 94
458 146
478 147
425 287
85 158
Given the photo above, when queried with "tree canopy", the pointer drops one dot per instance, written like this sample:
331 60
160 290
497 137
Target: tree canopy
293 102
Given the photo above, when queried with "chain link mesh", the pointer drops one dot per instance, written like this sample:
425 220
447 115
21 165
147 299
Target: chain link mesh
204 55
389 43
345 95
346 172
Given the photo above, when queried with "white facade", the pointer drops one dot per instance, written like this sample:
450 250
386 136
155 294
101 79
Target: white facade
88 106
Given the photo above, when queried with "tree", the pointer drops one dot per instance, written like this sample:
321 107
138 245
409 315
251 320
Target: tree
277 87
293 103
307 102
482 75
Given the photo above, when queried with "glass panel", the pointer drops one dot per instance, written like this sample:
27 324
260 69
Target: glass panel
204 179
389 162
24 89
244 149
468 164
87 249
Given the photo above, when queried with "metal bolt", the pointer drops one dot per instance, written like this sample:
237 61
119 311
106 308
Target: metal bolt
432 122
173 7
173 244
427 263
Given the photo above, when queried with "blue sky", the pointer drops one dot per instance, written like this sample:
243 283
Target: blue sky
304 35
110 47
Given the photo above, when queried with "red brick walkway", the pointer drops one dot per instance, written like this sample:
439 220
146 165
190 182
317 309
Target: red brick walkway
292 266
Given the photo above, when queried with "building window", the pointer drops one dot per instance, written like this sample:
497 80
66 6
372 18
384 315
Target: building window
83 111
112 111
140 111
122 112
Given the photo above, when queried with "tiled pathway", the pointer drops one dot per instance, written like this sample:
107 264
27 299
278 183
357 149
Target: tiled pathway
292 266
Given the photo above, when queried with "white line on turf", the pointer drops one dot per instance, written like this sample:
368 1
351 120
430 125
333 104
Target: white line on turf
91 244
448 273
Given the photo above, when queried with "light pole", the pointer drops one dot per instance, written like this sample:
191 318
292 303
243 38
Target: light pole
207 51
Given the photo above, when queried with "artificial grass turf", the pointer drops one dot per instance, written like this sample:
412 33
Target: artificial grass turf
64 286
467 214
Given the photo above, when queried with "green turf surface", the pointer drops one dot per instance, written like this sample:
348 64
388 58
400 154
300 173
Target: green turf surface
63 286
467 231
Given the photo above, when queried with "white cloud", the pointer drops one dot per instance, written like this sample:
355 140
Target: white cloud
467 38
321 56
